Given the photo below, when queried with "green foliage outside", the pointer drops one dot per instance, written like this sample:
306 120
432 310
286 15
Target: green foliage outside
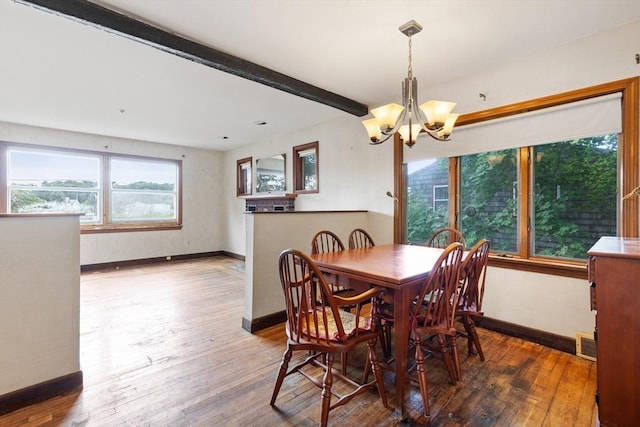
422 219
574 198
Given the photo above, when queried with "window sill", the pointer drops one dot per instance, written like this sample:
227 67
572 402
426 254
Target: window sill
575 269
127 228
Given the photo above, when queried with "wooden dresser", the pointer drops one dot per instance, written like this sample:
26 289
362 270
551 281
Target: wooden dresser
614 273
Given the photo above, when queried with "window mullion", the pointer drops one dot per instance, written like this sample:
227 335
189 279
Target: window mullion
525 208
106 189
454 192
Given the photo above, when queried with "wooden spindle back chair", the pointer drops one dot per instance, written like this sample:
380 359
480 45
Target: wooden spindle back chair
434 312
359 238
326 241
472 281
443 237
317 325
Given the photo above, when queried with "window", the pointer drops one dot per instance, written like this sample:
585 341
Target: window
44 181
243 179
305 168
546 177
441 198
574 195
488 199
141 192
427 198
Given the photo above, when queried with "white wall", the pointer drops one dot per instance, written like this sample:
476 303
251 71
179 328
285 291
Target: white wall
39 299
354 175
202 183
271 233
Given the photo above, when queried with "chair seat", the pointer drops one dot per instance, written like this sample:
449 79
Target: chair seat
316 329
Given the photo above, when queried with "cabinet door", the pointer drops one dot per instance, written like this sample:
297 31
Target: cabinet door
618 346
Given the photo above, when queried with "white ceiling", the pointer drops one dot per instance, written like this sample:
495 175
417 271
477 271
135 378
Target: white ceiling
63 74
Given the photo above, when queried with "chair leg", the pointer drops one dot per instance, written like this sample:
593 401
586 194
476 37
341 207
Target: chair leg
422 377
327 382
386 339
447 358
282 372
343 360
473 334
456 358
377 371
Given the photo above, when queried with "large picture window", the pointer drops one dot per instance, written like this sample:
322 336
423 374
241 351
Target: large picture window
543 179
112 192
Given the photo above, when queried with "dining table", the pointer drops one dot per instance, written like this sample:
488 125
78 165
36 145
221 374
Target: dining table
400 269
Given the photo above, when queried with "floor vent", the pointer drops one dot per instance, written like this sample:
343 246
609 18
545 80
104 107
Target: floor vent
585 345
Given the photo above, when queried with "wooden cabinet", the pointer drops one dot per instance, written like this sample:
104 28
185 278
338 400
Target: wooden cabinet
614 272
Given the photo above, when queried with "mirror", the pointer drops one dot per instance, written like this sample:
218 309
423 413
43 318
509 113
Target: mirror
270 174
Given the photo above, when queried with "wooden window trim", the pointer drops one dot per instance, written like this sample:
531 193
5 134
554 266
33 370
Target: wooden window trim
629 171
298 180
104 227
241 177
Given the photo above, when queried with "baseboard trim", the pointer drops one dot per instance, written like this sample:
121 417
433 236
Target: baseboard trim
155 260
40 392
232 255
548 339
264 322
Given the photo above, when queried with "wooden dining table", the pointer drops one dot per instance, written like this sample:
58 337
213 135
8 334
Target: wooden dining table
401 270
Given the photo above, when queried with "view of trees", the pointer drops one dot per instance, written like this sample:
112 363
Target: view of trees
574 197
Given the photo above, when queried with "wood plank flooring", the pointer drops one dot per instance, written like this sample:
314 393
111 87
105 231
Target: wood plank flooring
162 345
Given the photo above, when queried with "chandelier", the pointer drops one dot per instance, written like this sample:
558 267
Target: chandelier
433 117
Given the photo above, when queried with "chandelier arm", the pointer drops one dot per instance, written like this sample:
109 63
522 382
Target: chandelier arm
381 140
420 118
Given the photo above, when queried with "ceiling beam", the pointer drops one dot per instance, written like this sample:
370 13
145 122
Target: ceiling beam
100 17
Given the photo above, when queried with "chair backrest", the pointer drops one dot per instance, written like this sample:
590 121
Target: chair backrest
312 313
444 237
359 238
326 241
438 299
472 277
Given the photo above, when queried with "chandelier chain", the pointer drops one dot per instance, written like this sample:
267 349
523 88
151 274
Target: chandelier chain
410 68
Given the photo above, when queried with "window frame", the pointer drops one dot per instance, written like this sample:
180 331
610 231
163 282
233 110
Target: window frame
628 171
435 200
241 177
298 168
105 226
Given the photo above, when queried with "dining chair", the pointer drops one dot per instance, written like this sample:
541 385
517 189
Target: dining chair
433 313
316 324
443 237
472 281
327 241
359 238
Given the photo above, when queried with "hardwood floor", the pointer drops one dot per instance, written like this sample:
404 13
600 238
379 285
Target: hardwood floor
162 345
